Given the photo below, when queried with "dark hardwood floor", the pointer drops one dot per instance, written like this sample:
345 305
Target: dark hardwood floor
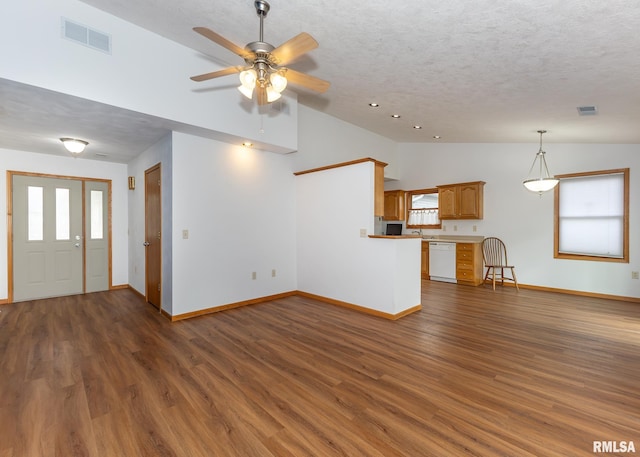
476 372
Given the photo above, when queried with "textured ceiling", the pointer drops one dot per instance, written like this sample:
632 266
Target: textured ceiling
469 71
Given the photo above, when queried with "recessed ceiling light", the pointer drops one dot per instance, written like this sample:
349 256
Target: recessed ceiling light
395 116
436 137
247 144
417 127
373 105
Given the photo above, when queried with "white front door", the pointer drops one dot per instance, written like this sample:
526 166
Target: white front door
47 237
96 200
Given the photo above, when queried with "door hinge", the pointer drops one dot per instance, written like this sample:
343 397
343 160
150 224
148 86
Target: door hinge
158 287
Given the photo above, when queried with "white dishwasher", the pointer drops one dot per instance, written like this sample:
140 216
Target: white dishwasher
442 261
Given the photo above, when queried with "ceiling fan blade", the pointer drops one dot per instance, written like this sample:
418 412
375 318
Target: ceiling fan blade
222 41
308 81
261 95
294 48
217 74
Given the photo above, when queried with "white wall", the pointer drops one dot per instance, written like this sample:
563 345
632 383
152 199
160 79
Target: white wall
334 260
76 167
127 78
238 205
325 140
522 219
159 153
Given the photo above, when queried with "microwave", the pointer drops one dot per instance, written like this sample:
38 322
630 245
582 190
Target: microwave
394 229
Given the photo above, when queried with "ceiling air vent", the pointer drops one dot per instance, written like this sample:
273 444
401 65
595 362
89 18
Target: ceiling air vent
587 110
84 35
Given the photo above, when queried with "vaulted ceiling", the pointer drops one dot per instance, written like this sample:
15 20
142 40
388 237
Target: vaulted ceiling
467 71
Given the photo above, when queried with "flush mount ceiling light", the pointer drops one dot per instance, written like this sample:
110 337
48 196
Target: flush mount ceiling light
74 145
265 73
540 180
373 105
395 116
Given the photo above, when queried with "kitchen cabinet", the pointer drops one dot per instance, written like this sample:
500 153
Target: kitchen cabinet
461 201
394 205
424 264
469 263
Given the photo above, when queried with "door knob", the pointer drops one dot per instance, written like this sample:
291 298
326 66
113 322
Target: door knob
146 243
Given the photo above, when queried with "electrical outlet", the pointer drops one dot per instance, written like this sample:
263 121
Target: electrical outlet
475 228
444 228
185 234
635 275
455 228
363 233
253 275
273 273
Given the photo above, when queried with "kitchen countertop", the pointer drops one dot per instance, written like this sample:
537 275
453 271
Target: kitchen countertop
395 236
442 238
453 238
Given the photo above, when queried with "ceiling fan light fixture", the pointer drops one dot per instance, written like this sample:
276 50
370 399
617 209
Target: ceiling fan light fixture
265 69
247 82
248 78
278 81
247 92
73 145
542 181
272 94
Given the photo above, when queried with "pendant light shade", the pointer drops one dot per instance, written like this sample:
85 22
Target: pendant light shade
539 179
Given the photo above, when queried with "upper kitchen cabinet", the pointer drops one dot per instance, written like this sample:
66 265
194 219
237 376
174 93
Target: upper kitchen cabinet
394 205
461 201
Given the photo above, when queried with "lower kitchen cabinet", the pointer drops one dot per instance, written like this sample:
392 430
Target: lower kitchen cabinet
424 265
469 263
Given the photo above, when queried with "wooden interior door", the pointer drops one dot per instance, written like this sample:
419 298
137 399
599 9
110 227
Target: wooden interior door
153 235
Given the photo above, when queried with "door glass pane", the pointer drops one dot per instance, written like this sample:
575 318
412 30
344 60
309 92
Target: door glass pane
63 220
35 219
96 215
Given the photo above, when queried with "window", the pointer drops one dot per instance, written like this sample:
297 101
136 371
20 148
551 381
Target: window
96 212
35 210
592 216
63 214
422 209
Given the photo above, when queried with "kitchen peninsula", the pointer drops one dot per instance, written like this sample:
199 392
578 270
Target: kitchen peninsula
338 259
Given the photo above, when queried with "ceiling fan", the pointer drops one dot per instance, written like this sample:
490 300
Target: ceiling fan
265 69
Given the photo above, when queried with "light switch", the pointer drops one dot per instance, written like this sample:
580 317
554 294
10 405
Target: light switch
185 234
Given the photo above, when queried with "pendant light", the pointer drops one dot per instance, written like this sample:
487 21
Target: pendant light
539 179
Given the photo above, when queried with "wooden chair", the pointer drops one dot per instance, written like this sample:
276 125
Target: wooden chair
494 254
